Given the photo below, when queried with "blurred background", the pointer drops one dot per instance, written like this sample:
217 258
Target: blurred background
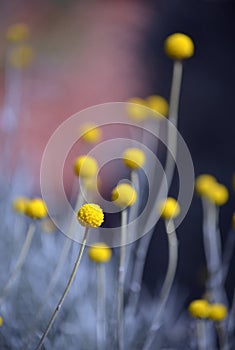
91 52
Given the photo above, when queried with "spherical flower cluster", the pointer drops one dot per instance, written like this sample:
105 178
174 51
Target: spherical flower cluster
218 312
169 208
18 32
199 308
36 209
207 187
100 253
90 215
85 167
124 195
21 56
136 109
158 104
19 204
179 46
203 184
133 158
1 321
91 133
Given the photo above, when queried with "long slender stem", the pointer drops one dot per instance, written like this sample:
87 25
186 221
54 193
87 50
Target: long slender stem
69 284
101 307
62 258
167 285
20 261
121 276
212 246
200 324
143 246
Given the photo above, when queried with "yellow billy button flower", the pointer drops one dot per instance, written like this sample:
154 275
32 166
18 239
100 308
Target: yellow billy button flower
100 253
21 56
218 312
133 158
169 208
203 184
124 195
36 209
158 104
91 215
179 46
19 204
85 167
91 133
199 308
136 109
17 32
218 194
1 321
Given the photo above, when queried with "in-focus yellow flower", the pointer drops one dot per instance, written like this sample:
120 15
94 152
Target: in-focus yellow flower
199 308
19 204
218 194
133 158
124 195
36 209
203 184
169 208
1 321
179 46
21 56
90 215
136 109
100 253
218 312
17 32
91 133
158 104
85 167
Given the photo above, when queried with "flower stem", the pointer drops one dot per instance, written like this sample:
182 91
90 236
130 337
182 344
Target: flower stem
101 307
121 281
19 262
69 284
167 284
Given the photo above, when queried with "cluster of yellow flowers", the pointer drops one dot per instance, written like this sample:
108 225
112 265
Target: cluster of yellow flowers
207 187
200 308
33 208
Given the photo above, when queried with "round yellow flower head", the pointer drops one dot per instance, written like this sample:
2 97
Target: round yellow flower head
124 195
199 308
1 321
203 184
91 133
179 46
17 32
100 253
218 312
136 109
36 209
218 194
133 158
90 215
21 56
85 167
169 208
19 204
158 104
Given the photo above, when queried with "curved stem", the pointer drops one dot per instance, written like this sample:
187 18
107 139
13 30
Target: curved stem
121 275
62 258
69 284
20 261
167 284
